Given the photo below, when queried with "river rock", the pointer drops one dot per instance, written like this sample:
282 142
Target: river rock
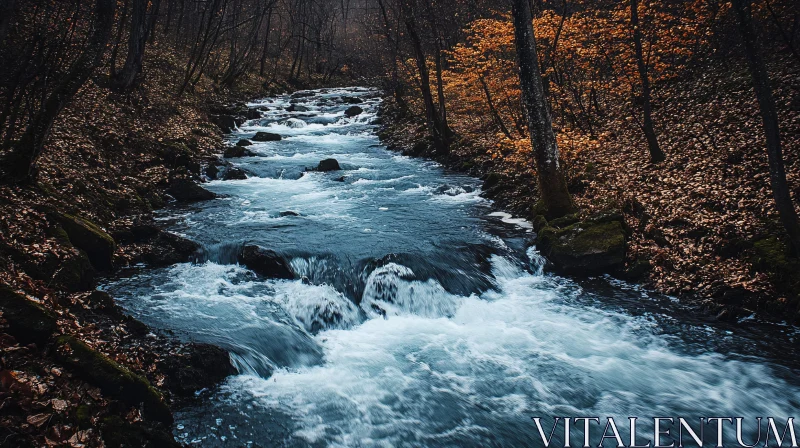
198 366
297 108
253 114
234 173
212 172
328 165
352 111
112 378
87 236
352 100
226 123
266 137
265 262
302 94
289 213
184 190
236 151
162 248
26 320
586 247
244 142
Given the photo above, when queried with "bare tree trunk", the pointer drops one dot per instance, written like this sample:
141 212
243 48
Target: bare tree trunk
431 115
20 164
7 8
769 117
552 185
141 24
656 154
494 112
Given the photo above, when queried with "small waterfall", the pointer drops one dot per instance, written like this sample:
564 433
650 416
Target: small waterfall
391 290
537 261
220 253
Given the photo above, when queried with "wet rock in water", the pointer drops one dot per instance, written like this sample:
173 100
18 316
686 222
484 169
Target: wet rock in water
234 173
353 111
339 179
236 151
244 142
352 100
265 262
266 137
226 123
26 320
263 108
87 236
118 432
328 165
289 213
302 94
162 248
212 172
592 246
199 366
184 190
253 114
297 108
112 378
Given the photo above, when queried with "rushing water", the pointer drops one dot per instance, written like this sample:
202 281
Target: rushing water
423 317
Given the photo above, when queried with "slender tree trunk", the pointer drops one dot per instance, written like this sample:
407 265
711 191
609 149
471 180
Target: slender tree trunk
552 185
141 25
656 154
7 8
769 117
431 115
492 109
20 164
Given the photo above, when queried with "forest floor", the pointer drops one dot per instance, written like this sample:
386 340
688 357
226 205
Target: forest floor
107 162
703 225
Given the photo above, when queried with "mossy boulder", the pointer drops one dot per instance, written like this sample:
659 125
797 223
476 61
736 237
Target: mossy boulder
27 321
87 236
112 378
119 433
585 247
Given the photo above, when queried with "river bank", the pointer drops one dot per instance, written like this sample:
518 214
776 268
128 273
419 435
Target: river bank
702 225
112 161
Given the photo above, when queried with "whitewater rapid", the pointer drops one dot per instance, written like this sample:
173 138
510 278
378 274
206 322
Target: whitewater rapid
420 316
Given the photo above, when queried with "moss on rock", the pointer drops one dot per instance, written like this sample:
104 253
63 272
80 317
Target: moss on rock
112 378
90 238
27 321
586 247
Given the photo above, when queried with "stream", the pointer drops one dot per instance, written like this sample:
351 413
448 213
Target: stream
421 315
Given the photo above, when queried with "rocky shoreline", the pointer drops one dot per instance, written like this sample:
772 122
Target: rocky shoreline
75 368
588 243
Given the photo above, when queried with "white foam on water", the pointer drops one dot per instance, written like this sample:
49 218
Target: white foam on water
515 353
509 219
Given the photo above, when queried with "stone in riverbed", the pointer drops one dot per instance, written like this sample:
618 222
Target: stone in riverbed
253 114
236 151
265 262
297 108
226 123
266 137
234 173
289 213
244 142
352 100
328 165
184 190
585 247
352 111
